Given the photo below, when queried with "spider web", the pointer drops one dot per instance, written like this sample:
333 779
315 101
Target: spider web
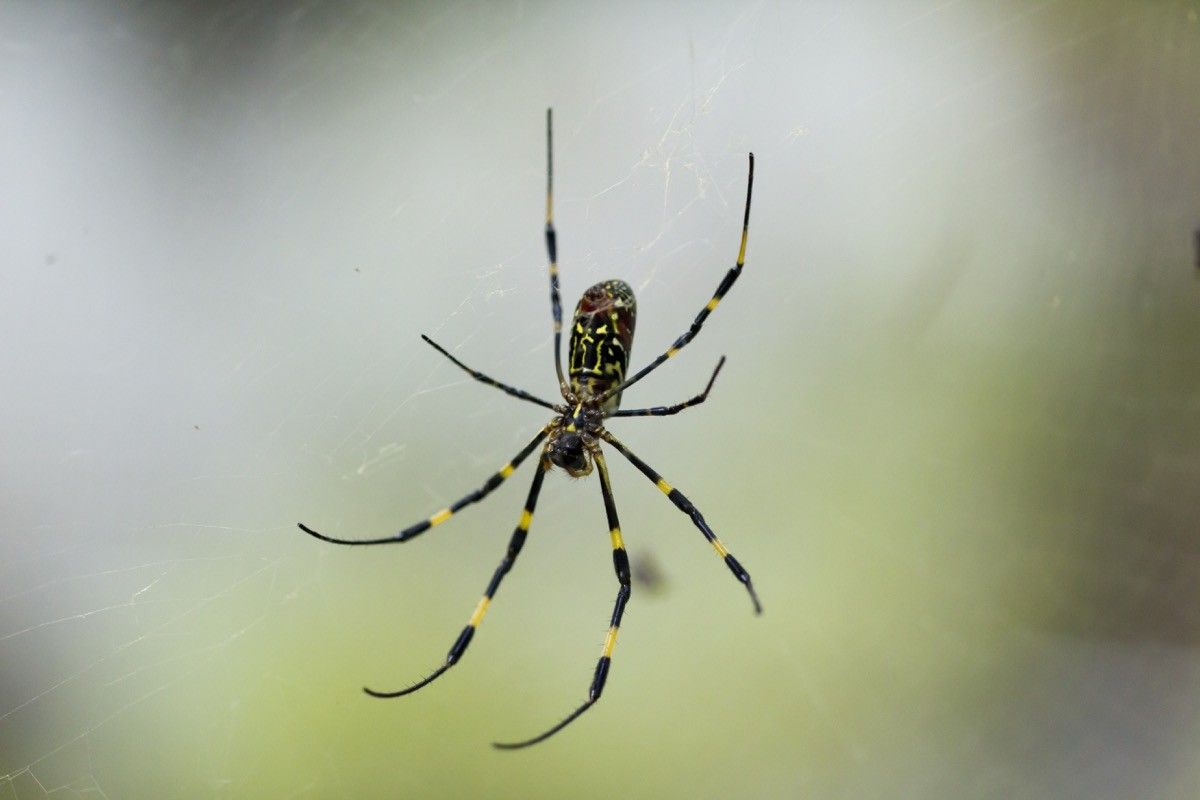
956 443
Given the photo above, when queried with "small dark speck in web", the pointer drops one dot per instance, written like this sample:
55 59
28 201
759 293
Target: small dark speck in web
648 574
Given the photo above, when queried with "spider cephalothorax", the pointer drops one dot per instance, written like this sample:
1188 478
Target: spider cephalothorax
574 438
572 451
601 338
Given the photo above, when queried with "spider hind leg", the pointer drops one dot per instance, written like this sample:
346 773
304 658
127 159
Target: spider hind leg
621 567
459 648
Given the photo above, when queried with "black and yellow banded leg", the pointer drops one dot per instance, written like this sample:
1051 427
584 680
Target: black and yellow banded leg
479 376
621 565
663 411
685 505
552 252
439 517
722 289
514 549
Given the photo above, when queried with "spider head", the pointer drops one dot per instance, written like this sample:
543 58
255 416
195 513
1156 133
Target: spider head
567 450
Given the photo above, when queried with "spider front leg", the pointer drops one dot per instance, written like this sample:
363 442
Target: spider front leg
685 505
439 517
479 376
510 557
621 565
722 289
664 411
552 253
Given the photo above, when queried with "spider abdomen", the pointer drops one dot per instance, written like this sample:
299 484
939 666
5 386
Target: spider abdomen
601 338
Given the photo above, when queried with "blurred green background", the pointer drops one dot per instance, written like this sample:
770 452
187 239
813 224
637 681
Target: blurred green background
956 443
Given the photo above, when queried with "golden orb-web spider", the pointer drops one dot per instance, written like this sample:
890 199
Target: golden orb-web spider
601 337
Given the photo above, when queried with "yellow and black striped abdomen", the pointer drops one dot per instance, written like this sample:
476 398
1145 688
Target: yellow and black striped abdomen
601 339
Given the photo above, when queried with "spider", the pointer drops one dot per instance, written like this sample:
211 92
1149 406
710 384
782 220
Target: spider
601 337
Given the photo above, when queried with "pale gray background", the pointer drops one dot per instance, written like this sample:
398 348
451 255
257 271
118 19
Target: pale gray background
956 442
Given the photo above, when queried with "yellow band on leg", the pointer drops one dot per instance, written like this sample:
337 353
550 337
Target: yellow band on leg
480 610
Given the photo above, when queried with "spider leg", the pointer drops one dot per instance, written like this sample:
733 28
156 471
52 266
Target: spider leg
685 505
723 288
552 253
479 376
447 512
621 565
514 549
663 411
